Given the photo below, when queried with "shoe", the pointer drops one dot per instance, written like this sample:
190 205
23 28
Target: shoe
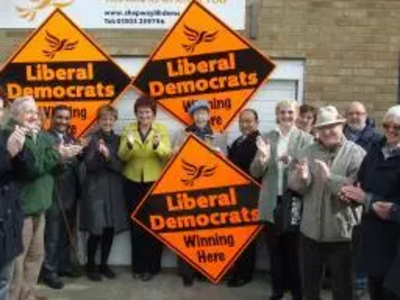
201 277
276 297
72 272
187 281
237 282
107 272
93 273
136 275
146 276
53 282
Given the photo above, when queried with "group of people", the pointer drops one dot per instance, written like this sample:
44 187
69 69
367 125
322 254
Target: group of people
53 185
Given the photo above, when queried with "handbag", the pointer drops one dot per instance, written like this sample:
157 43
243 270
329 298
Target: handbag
288 211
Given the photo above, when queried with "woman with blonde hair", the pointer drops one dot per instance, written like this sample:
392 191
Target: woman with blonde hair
275 152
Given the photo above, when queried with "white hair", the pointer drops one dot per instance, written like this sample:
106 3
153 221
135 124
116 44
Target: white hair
393 113
19 104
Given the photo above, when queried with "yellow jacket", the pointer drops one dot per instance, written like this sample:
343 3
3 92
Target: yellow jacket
143 162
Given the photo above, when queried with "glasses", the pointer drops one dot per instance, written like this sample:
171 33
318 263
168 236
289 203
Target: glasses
388 126
355 113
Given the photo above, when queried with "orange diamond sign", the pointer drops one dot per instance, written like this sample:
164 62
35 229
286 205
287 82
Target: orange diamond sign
60 64
202 58
203 207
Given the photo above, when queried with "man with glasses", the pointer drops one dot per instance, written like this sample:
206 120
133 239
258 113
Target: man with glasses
361 130
60 218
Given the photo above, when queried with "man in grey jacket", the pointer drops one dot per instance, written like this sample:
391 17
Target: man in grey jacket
327 222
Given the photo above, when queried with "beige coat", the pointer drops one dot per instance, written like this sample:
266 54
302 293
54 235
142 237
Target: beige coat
268 171
325 217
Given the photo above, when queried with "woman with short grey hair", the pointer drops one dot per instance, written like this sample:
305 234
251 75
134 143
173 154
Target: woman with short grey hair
378 191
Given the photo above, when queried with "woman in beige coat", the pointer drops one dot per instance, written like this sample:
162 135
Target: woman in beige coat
275 152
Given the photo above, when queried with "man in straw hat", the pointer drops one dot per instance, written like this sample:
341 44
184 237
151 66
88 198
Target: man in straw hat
318 173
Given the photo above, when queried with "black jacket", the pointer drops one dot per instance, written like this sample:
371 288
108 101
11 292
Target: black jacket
378 239
103 200
242 153
368 137
11 211
67 183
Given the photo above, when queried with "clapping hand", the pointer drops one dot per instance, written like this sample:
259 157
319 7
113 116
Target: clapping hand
323 170
156 139
68 151
352 193
264 148
103 149
130 139
302 169
16 141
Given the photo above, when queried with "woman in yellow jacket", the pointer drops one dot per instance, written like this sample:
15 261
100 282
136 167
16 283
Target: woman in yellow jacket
145 148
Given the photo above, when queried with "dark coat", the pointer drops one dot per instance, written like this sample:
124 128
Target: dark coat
11 211
367 137
67 185
243 152
377 241
37 183
103 202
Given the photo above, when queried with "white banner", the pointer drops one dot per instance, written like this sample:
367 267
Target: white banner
115 14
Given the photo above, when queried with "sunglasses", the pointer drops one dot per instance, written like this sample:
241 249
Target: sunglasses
388 126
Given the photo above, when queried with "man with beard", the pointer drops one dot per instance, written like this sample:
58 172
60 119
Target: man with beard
60 218
359 128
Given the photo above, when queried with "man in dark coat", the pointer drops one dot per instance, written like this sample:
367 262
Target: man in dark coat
14 160
242 153
359 128
61 217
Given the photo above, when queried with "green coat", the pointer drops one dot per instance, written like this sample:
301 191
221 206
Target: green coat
38 183
269 171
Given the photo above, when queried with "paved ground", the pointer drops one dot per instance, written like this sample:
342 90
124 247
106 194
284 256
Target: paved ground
166 286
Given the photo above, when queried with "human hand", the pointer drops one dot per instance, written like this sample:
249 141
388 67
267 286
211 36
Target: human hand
68 151
264 148
103 149
302 169
15 142
323 170
352 193
382 209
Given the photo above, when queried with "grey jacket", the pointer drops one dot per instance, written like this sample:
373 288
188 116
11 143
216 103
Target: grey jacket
269 171
325 217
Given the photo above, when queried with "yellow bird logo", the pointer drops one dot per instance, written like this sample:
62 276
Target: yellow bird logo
57 45
29 13
197 38
195 172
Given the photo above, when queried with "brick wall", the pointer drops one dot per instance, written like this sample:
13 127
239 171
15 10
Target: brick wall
351 47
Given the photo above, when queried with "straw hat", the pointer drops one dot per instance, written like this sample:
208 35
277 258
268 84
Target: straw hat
328 115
